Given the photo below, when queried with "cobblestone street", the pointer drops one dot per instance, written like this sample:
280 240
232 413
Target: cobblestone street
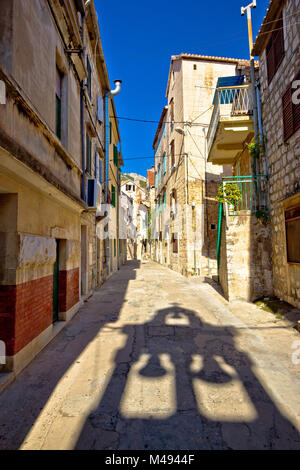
157 361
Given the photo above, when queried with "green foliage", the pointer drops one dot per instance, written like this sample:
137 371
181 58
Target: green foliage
262 215
256 150
230 193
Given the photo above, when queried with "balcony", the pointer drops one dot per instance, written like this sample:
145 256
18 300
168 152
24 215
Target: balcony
253 191
231 124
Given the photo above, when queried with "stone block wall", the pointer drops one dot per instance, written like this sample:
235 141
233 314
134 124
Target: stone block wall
283 158
245 270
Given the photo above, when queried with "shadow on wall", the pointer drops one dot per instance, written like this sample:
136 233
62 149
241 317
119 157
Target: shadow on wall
185 386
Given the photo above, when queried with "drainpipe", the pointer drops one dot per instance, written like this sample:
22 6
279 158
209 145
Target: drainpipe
261 128
114 92
219 235
83 192
118 212
110 93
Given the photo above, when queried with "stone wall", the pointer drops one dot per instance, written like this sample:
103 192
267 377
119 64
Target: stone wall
245 268
283 159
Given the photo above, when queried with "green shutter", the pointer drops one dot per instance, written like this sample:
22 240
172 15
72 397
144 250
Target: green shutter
110 139
113 196
116 155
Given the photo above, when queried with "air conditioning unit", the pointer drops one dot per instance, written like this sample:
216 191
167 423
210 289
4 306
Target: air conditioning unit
93 192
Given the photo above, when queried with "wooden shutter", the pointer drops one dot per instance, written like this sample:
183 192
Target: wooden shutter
291 112
287 110
275 49
296 108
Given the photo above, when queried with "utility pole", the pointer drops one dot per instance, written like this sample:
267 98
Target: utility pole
253 85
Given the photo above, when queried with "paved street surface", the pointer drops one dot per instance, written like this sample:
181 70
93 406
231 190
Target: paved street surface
157 361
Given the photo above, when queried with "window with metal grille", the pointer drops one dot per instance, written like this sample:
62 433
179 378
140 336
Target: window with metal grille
292 228
290 112
275 49
88 154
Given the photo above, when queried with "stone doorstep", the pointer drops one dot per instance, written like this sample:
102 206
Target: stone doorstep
22 359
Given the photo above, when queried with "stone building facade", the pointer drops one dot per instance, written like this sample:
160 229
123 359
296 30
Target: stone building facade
138 223
243 242
51 152
278 48
186 215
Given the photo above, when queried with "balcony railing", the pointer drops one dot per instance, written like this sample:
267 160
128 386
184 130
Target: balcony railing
229 101
253 191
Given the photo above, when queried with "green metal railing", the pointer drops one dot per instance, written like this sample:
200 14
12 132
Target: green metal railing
253 191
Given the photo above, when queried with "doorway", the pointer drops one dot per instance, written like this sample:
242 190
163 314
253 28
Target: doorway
56 284
83 263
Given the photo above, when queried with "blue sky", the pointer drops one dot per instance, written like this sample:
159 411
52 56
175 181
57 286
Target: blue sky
139 38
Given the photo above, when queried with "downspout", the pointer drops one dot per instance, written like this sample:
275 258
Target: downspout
83 191
110 93
219 235
265 167
118 201
114 92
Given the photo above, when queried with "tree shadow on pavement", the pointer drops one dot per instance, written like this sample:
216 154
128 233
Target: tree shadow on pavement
186 385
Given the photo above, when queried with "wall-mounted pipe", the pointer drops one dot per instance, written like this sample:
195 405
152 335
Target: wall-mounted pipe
114 92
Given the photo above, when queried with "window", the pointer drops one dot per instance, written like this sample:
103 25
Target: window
110 133
165 199
172 154
58 102
164 164
156 180
174 240
290 112
292 228
159 174
100 170
275 49
88 154
195 67
128 187
89 77
172 112
100 108
113 196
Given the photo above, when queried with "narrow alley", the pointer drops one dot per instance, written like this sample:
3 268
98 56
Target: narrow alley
154 360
